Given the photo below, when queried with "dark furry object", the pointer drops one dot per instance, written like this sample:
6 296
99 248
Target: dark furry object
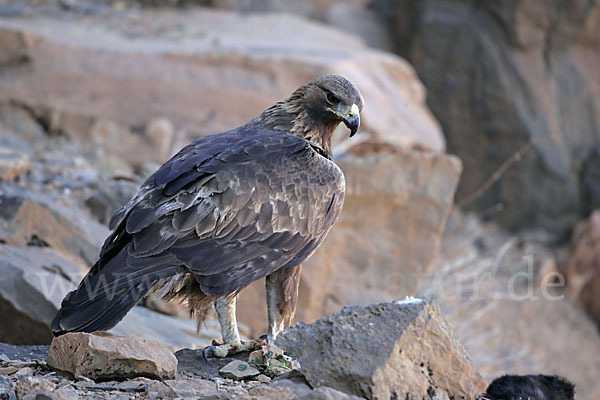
530 387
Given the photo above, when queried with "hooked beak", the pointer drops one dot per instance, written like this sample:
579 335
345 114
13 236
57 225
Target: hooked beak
350 116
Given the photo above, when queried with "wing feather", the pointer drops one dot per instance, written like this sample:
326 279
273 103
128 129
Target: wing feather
232 211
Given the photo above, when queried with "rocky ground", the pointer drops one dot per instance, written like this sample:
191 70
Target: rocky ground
94 95
391 350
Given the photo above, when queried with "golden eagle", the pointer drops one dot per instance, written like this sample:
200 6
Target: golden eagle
228 209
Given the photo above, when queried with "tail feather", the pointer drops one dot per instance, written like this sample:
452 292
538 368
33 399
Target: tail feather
110 289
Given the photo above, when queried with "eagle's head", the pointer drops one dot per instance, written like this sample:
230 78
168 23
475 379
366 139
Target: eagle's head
315 109
329 100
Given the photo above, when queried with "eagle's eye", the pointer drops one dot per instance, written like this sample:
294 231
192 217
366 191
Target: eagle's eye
332 99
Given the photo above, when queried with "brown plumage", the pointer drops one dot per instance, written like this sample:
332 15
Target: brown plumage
226 210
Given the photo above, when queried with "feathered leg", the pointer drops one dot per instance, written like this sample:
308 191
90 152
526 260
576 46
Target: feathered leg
229 331
226 312
282 298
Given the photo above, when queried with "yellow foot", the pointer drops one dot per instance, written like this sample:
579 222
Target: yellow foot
218 350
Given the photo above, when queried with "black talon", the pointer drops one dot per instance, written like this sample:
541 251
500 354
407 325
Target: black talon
206 352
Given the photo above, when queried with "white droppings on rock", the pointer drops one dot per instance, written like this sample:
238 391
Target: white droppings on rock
409 300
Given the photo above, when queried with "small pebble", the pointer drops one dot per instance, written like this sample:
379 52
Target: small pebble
262 378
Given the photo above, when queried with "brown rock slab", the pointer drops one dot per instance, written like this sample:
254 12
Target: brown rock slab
111 357
404 349
384 242
160 76
239 370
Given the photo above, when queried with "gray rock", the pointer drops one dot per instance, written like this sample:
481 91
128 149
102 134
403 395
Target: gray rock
389 350
501 74
301 391
10 10
191 362
590 180
6 384
20 130
159 390
34 281
137 385
303 8
29 217
238 370
133 386
30 387
109 357
361 21
23 372
109 198
186 388
22 353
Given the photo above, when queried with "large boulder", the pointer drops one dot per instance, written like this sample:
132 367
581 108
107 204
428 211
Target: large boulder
404 349
384 242
102 79
33 281
500 74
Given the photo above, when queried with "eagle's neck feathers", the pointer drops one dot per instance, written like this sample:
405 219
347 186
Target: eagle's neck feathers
290 116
